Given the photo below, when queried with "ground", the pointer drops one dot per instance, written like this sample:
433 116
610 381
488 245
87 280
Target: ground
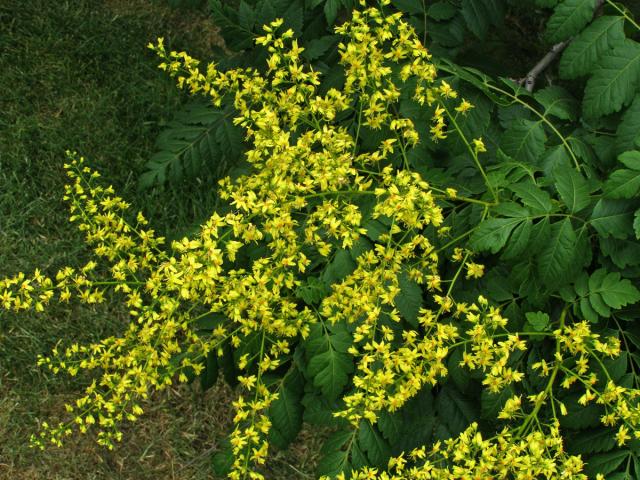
77 75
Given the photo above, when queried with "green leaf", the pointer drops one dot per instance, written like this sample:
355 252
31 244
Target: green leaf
625 183
200 140
605 463
629 127
318 411
373 444
630 159
592 441
412 7
572 188
580 417
492 234
390 425
587 310
336 441
417 422
524 140
586 50
246 15
616 367
538 320
492 403
228 365
636 223
612 218
622 183
330 371
616 292
458 373
519 241
568 18
614 82
313 291
329 365
341 266
599 306
557 102
476 17
360 246
409 300
317 47
623 253
209 375
286 411
475 122
334 463
375 228
556 260
331 10
533 196
359 459
441 10
454 410
223 461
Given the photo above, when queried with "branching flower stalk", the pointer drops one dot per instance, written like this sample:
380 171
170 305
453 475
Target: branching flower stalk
311 196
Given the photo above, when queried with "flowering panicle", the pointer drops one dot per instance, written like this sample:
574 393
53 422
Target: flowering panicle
538 455
314 193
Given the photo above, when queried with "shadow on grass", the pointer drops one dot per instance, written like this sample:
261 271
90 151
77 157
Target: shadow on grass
77 75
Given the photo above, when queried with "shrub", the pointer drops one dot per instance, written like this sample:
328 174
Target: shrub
342 285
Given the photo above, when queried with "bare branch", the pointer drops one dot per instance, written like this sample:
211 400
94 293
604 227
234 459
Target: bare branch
529 81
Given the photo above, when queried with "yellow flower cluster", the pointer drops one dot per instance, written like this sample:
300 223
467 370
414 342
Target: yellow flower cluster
309 192
470 456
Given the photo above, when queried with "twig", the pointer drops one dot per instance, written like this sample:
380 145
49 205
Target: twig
530 80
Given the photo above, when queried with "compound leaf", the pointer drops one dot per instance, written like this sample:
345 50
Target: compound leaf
568 18
605 463
492 234
616 292
476 16
454 410
376 448
557 102
625 182
629 127
556 260
524 140
286 411
409 299
533 196
613 218
614 82
330 371
584 51
572 188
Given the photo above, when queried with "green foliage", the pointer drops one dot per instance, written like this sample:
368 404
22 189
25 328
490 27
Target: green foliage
286 412
551 209
587 49
614 81
569 17
200 141
329 364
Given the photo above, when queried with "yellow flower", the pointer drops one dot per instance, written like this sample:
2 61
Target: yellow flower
464 106
478 145
474 270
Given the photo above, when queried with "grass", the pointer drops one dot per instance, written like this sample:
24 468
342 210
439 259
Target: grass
77 75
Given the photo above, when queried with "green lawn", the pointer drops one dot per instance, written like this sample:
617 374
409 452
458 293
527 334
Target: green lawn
77 75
